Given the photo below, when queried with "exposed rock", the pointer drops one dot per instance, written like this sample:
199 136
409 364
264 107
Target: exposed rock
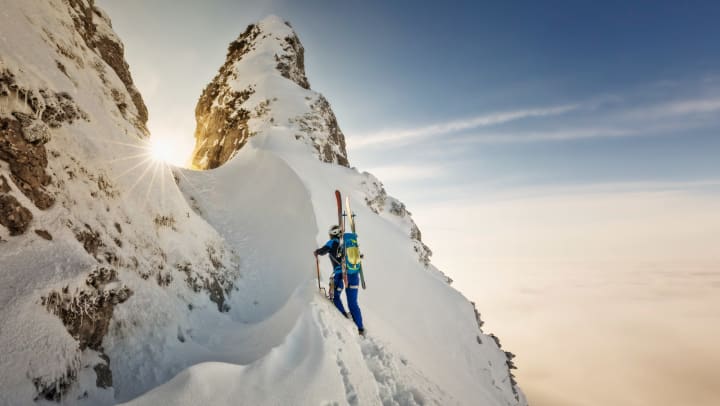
22 138
164 278
378 201
90 240
86 313
103 373
27 163
321 120
54 391
54 109
105 186
62 68
510 364
34 131
13 215
291 64
7 82
376 196
86 16
238 48
219 284
480 323
223 112
4 187
101 277
423 251
223 130
165 221
44 234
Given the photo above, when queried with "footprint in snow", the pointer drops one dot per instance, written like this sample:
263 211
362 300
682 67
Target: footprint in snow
350 393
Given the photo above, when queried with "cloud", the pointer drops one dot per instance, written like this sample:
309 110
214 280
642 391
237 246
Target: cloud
657 119
559 135
519 188
604 222
405 135
678 108
642 264
611 117
405 173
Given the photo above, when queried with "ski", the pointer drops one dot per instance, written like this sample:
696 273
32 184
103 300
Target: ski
352 250
341 223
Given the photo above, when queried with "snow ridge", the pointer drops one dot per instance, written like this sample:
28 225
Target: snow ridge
124 280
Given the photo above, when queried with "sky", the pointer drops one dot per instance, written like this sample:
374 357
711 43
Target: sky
568 150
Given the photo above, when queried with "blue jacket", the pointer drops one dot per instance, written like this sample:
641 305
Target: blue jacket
335 250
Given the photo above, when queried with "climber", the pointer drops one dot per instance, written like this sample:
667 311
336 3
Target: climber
337 256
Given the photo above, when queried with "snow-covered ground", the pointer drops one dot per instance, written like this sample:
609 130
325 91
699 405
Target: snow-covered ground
289 341
220 302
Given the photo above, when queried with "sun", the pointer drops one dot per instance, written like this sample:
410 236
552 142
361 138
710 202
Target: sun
164 147
161 150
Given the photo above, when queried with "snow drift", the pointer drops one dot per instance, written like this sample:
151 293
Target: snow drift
123 280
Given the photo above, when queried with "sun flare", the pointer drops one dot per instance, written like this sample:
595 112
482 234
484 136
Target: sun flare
161 150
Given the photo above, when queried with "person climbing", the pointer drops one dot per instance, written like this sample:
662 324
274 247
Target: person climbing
337 255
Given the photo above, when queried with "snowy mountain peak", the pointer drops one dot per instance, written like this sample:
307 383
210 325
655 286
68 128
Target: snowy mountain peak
262 85
125 280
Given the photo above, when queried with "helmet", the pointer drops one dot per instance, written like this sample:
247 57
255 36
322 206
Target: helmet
334 231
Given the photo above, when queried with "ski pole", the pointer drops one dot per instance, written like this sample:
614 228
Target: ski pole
317 266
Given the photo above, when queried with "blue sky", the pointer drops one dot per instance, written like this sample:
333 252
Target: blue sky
632 91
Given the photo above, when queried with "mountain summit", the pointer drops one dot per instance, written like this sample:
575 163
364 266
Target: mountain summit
264 64
123 280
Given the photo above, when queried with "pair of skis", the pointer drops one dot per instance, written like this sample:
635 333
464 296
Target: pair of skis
352 258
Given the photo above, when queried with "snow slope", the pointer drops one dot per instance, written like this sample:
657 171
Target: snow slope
424 345
423 342
129 281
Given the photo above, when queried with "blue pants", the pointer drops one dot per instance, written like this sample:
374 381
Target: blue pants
352 294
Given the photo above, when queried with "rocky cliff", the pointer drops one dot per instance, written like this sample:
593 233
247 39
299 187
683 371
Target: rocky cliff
264 63
79 242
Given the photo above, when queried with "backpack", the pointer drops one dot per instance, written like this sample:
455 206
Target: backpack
352 253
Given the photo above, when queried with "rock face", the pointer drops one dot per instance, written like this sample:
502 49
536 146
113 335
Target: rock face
13 215
74 169
264 65
95 29
381 203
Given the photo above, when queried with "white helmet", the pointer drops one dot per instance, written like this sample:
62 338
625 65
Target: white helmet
334 231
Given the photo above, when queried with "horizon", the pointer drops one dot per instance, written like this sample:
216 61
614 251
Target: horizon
518 150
